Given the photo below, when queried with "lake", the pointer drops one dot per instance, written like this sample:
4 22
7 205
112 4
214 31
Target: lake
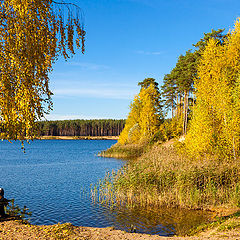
54 178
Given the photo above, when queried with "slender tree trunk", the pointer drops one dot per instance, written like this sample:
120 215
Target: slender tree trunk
186 113
184 107
180 107
177 108
193 101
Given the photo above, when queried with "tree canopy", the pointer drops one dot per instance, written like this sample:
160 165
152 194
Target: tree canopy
178 85
145 114
32 36
215 125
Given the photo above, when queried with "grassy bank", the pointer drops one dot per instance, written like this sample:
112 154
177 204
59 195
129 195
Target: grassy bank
223 227
128 151
162 176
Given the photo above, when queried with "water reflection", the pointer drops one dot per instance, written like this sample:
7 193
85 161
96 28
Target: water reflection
162 221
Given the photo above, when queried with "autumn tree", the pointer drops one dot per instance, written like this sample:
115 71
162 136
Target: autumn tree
145 115
149 115
216 115
131 132
178 85
157 96
217 35
33 34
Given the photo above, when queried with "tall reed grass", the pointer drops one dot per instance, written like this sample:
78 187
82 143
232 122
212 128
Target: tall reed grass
163 177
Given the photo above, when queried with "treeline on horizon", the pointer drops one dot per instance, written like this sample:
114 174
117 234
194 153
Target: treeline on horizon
94 127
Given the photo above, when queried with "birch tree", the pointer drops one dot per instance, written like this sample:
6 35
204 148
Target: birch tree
33 34
216 115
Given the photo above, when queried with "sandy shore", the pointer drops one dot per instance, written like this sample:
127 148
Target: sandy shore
17 230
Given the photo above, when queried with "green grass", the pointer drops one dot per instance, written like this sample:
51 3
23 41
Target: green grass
221 224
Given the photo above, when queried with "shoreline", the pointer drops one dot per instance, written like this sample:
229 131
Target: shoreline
225 227
78 138
18 230
225 224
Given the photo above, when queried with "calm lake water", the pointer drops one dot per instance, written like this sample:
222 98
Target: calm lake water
54 177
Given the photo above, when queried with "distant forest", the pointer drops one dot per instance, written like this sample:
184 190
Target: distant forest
99 127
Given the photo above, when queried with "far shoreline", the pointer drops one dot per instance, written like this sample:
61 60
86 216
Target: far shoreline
78 138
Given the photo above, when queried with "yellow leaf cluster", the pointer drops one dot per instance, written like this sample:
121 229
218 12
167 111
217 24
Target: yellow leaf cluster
143 120
215 125
31 37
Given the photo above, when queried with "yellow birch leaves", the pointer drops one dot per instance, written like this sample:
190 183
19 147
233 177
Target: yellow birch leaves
32 35
215 127
143 119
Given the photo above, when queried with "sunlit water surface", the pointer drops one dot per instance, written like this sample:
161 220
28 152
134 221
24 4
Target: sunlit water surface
54 178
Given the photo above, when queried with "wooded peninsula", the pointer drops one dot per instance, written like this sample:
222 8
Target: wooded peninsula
192 159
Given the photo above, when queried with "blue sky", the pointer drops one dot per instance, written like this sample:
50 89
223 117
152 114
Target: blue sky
127 41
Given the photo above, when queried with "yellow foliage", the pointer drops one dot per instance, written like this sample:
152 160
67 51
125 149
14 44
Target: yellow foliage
28 47
215 125
130 132
142 121
148 121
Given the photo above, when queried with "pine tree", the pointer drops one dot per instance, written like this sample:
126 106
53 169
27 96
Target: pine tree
178 87
169 92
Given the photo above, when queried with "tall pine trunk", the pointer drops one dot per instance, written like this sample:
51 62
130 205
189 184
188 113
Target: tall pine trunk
177 107
185 112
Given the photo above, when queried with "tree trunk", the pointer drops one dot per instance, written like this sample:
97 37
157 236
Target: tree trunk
177 108
185 112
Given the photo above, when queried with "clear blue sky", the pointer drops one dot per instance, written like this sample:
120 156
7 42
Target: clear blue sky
127 41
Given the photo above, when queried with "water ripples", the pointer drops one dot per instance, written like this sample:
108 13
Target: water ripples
53 180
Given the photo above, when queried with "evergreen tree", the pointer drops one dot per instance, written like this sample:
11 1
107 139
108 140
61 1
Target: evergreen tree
218 35
169 92
186 72
178 85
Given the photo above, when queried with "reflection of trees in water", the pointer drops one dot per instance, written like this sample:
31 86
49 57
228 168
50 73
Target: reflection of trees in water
162 221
